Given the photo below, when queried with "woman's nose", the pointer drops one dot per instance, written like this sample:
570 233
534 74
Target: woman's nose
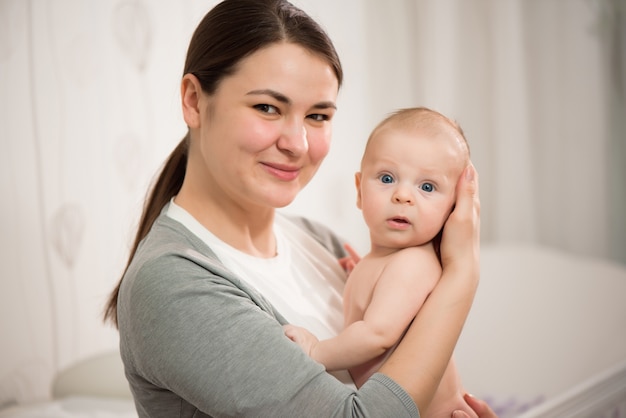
294 139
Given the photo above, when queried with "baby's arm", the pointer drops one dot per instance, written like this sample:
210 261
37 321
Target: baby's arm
401 290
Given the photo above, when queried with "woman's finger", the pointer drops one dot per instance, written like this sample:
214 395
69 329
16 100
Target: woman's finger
461 233
467 201
479 406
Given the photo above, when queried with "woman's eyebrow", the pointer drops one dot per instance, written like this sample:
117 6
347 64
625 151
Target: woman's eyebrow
325 105
269 92
284 99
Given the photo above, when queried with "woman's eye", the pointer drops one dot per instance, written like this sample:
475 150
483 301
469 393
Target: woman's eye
318 117
386 178
427 187
266 108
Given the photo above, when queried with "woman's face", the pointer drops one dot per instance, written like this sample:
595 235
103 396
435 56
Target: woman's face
267 128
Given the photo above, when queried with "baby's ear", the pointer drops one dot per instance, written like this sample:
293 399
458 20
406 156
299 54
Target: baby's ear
357 182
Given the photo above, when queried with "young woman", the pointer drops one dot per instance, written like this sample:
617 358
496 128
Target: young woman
216 271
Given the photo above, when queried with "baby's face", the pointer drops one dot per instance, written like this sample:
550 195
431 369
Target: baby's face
407 184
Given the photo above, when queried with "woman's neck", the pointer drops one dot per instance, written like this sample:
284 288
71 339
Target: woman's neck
249 230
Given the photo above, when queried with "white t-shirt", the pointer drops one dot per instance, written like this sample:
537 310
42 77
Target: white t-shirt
304 281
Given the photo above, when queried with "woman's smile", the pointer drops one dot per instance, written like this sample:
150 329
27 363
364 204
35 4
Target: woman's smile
283 172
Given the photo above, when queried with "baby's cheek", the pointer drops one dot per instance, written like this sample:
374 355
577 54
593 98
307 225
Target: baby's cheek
437 221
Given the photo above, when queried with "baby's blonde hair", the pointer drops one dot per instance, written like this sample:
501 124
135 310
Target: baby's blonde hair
421 118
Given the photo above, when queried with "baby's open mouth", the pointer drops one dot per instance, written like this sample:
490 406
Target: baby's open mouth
400 220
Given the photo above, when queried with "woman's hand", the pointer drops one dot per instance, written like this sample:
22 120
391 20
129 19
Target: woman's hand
479 406
460 243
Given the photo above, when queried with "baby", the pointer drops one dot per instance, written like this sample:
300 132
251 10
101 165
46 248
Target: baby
406 189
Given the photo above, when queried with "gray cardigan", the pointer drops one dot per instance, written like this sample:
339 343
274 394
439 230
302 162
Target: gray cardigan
196 341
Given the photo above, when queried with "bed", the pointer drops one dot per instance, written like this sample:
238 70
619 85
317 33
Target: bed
547 334
546 338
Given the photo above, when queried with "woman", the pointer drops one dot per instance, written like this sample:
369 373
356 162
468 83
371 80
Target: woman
215 271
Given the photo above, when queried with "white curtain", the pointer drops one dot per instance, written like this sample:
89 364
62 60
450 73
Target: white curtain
538 87
89 109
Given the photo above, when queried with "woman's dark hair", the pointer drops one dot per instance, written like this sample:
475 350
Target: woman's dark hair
228 33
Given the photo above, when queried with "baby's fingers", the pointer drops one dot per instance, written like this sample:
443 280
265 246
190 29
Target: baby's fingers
291 332
352 253
348 262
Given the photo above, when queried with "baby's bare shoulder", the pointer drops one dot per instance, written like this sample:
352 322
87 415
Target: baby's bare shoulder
418 254
414 262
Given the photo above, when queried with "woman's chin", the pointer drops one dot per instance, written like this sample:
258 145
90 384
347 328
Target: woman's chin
276 194
283 196
281 203
278 200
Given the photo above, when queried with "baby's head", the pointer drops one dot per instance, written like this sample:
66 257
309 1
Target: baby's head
409 171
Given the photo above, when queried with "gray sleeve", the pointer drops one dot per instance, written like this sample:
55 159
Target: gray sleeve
207 342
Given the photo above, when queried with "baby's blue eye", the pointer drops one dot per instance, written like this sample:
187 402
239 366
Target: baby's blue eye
427 187
386 178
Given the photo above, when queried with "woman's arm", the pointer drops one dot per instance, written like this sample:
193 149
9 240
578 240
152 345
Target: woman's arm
419 361
192 339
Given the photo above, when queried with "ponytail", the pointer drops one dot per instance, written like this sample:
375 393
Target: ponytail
167 186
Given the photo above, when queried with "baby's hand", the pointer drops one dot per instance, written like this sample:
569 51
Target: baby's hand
348 262
302 337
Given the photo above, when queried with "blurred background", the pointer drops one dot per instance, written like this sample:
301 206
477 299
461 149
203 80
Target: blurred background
89 109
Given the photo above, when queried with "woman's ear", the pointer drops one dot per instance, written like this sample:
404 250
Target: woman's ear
357 182
190 92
